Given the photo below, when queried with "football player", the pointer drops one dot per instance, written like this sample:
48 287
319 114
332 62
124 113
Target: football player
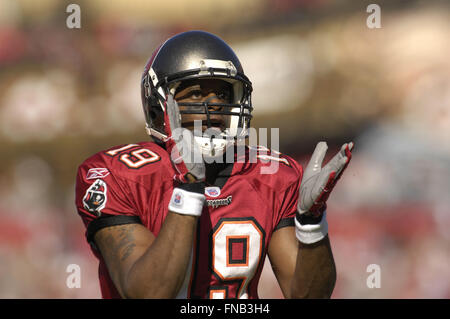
170 218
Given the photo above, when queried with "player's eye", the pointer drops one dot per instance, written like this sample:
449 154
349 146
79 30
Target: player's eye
225 95
195 94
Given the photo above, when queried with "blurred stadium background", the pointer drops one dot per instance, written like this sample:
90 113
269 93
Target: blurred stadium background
319 73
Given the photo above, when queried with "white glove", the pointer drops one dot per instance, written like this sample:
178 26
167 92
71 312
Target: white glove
184 152
187 198
316 186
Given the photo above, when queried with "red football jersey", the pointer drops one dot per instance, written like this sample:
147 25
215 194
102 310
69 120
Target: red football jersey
251 198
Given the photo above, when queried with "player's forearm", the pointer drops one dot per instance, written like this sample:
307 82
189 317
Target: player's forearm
315 272
161 271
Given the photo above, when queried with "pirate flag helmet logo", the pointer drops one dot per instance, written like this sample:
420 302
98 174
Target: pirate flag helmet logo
95 198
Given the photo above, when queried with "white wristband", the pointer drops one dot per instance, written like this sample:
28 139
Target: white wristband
309 234
186 203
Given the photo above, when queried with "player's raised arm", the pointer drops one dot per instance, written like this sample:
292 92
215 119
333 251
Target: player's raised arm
142 265
315 271
303 263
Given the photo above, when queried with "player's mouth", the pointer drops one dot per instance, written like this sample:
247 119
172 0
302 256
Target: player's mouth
217 124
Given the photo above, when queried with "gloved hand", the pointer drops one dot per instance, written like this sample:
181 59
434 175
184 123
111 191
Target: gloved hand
318 181
184 152
315 188
188 197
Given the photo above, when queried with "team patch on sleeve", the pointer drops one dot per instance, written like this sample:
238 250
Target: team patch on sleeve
95 198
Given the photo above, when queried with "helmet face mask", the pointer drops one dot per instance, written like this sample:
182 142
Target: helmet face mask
196 55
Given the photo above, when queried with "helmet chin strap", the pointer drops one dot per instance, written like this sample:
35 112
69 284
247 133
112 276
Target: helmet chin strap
212 148
209 144
213 151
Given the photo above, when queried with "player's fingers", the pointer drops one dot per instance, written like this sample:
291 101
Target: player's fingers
323 183
173 112
345 160
317 157
341 166
348 151
340 161
335 163
350 146
348 154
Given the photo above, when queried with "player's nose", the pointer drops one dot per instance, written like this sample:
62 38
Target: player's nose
212 98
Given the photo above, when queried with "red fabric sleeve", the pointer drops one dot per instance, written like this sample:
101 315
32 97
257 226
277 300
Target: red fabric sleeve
99 192
288 197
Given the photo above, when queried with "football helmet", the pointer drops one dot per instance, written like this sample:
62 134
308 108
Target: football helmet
196 55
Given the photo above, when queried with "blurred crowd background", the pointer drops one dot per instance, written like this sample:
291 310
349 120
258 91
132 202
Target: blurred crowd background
319 73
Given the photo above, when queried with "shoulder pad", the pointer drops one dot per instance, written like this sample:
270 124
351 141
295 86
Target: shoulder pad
129 159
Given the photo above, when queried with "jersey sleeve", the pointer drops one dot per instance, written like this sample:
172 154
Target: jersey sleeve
288 197
102 198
